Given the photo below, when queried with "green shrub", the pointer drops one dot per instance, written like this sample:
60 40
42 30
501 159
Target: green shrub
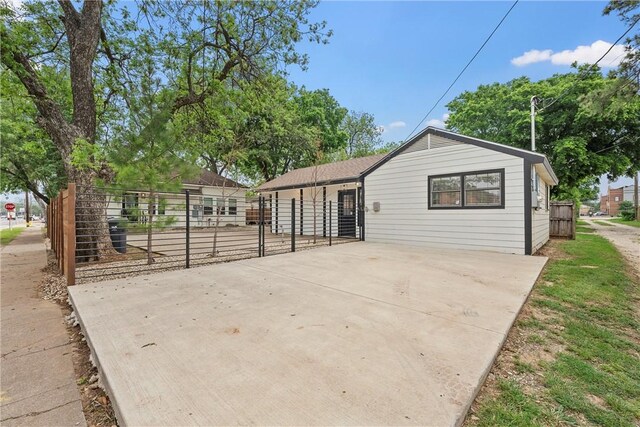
627 212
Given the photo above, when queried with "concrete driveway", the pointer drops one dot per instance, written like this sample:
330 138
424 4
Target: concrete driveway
359 334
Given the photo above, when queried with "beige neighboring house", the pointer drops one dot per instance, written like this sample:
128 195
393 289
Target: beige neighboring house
212 198
338 183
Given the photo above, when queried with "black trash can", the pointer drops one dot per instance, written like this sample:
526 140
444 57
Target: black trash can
118 235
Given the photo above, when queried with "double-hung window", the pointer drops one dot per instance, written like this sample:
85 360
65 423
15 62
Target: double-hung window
233 206
208 206
220 206
470 190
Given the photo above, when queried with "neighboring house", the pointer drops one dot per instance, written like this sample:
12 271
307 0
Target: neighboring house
212 198
627 193
441 190
610 203
338 183
604 204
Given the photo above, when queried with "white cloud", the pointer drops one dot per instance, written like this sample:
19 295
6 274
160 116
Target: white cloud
435 123
590 54
582 55
393 125
531 57
439 123
397 124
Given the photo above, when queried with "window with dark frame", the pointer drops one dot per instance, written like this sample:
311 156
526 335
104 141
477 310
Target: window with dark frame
471 190
233 206
446 191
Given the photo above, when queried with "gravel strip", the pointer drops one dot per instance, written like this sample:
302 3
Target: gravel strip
98 272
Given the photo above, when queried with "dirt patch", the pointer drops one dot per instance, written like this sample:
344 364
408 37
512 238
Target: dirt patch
95 403
550 250
626 239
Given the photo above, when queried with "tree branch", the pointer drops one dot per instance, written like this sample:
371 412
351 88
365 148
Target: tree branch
25 180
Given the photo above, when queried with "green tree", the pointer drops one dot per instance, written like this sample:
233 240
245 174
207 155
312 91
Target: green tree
583 136
322 111
363 135
270 130
629 13
29 160
96 45
147 156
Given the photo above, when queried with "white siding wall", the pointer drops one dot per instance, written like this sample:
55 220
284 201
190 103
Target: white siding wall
284 209
400 185
174 208
540 219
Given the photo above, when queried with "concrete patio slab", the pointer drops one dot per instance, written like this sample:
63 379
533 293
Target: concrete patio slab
358 334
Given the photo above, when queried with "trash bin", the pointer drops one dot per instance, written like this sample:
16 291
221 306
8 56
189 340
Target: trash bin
118 235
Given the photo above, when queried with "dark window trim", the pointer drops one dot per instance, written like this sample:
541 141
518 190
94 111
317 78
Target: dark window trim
528 231
462 190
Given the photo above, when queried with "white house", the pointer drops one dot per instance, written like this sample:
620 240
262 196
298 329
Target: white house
333 191
212 198
446 190
440 189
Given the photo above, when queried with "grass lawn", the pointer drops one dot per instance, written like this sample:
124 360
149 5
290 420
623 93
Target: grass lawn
7 235
583 227
572 357
605 223
635 223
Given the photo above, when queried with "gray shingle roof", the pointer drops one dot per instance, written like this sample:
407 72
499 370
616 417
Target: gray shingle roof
207 177
322 174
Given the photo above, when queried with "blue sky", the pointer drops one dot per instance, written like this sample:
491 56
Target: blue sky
394 59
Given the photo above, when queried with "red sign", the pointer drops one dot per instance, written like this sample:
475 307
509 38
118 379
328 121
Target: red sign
9 206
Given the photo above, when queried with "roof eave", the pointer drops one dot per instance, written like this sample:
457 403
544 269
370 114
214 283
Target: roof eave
494 146
310 184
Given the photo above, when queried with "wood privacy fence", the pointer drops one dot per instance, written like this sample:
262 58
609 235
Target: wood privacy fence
562 217
61 230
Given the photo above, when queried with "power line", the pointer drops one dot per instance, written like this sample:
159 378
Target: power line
464 69
564 92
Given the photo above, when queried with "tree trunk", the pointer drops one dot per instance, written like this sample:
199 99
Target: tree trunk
93 240
82 29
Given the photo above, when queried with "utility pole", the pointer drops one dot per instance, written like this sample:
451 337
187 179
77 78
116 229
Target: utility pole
26 208
534 103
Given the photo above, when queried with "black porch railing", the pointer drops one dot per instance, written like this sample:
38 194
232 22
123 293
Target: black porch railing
121 233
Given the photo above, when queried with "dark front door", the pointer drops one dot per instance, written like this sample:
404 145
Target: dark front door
347 213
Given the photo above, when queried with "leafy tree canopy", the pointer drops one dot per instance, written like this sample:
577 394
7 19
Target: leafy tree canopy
29 160
629 13
584 134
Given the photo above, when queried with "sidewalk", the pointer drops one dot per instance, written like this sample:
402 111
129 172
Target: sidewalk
37 382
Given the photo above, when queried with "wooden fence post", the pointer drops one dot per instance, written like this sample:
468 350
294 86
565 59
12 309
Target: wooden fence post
59 232
70 236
